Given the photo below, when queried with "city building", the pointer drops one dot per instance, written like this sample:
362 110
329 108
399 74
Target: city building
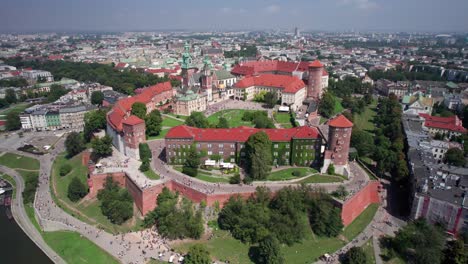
290 89
126 129
37 75
448 126
190 102
293 146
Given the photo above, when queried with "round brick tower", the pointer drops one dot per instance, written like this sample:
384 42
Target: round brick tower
339 137
314 86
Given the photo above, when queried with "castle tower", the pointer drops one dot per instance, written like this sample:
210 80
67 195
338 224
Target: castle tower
339 137
314 86
187 68
134 133
207 78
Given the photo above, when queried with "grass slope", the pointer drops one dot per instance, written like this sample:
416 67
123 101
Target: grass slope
317 178
233 116
356 227
15 161
287 174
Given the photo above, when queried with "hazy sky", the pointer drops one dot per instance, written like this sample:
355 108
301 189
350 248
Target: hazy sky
120 15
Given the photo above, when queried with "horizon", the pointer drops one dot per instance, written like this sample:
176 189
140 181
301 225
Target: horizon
208 15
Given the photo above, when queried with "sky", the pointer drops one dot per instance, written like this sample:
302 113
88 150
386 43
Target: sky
147 15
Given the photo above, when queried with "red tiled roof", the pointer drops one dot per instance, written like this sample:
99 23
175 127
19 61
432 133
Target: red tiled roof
290 84
55 57
121 65
258 67
132 120
316 64
324 72
340 121
240 134
452 123
117 115
161 71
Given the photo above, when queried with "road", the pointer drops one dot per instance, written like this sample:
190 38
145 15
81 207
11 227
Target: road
19 213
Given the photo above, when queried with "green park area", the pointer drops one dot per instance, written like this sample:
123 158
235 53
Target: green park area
151 174
233 116
322 178
368 248
364 121
170 122
87 210
15 161
223 246
207 176
16 108
283 119
290 173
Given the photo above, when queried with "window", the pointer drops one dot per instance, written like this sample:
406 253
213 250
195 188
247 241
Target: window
221 152
232 145
209 145
210 152
287 153
232 153
287 145
198 145
344 135
221 145
275 153
233 160
276 145
183 146
242 154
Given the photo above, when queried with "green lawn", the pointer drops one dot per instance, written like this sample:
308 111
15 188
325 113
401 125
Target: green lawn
338 107
224 247
18 108
287 174
317 178
364 120
282 118
62 182
74 248
233 116
170 122
162 134
177 116
356 227
31 215
368 248
151 174
15 161
204 176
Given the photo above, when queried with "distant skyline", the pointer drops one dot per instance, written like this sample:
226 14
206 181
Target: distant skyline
149 15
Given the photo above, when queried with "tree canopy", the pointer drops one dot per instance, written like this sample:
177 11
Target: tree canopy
222 123
327 104
116 202
355 255
56 91
174 219
97 97
258 156
153 123
74 144
139 110
454 156
197 119
10 96
76 190
269 251
198 254
102 147
93 122
13 121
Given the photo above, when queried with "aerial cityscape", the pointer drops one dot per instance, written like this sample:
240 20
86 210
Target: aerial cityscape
263 132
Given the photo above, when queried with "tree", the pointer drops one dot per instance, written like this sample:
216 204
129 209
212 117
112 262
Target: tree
455 253
56 91
197 119
97 97
258 156
65 169
222 123
420 242
153 123
191 162
331 169
3 103
327 104
363 142
12 121
269 251
355 255
74 144
93 122
139 110
197 254
270 99
102 147
324 217
116 202
454 156
145 151
76 190
10 96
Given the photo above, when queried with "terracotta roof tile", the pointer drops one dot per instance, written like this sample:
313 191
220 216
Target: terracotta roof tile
290 84
340 121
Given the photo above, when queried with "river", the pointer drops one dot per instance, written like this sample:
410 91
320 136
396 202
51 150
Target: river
15 245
